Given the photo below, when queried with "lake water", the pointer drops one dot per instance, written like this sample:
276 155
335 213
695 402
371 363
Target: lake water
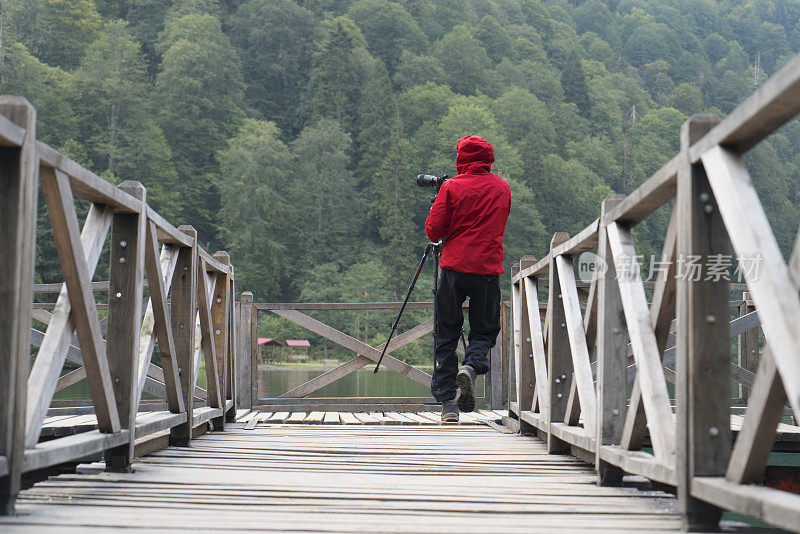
274 382
361 383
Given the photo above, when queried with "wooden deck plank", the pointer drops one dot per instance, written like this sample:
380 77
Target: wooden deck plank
331 418
399 418
315 417
353 478
367 419
346 418
296 417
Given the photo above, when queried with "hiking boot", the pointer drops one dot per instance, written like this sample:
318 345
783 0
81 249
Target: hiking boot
466 385
449 412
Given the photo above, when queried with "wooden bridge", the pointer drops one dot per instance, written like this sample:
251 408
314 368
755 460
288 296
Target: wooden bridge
608 407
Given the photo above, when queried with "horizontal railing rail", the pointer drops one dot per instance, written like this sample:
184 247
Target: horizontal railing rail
572 364
187 310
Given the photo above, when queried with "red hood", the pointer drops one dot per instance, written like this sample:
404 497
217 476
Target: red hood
474 154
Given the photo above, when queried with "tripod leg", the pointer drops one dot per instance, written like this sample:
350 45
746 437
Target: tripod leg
403 307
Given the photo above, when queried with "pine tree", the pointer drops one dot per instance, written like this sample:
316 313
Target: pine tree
573 82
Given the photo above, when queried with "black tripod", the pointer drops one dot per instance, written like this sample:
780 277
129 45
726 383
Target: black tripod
436 249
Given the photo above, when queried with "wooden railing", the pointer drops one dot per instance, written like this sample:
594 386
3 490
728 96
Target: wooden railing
189 312
580 404
297 399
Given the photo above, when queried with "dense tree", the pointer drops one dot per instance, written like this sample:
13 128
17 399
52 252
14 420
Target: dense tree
393 206
464 60
325 208
339 69
289 132
56 31
254 179
49 89
275 40
416 70
376 118
388 29
574 83
200 94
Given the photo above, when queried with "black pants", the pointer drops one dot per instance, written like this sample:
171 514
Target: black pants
484 325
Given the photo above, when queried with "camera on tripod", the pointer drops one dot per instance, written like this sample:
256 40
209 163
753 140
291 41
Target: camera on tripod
429 180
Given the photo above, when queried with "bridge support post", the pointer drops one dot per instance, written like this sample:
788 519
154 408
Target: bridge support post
511 388
703 352
183 316
220 308
126 281
526 378
559 357
611 354
19 182
747 346
247 369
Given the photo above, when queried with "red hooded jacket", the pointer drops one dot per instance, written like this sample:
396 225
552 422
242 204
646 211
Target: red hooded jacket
470 212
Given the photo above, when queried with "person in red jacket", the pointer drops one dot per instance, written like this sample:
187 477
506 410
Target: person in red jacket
469 215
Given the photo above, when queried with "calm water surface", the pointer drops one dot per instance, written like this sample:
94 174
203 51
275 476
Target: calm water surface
274 382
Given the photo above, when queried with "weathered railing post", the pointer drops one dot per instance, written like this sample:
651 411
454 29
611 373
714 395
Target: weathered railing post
516 324
19 182
494 384
526 378
559 359
233 344
126 281
184 315
244 352
611 352
703 350
747 345
220 309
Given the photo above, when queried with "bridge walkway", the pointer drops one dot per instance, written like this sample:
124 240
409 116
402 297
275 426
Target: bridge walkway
344 478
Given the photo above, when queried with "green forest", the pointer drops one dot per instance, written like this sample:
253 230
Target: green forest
289 132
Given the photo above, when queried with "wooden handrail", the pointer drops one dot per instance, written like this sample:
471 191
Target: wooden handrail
117 366
716 206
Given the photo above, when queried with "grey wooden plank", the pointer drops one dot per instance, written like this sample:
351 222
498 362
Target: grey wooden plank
296 417
525 370
126 280
160 283
662 309
577 340
366 418
537 354
400 418
703 397
347 418
55 344
220 321
315 417
209 348
244 349
61 208
278 417
655 396
331 418
559 358
251 423
183 313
